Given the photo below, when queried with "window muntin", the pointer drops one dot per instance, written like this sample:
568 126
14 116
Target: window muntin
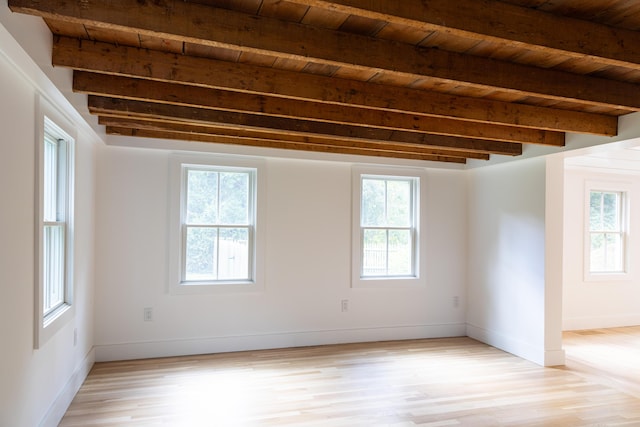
55 199
218 225
606 232
388 212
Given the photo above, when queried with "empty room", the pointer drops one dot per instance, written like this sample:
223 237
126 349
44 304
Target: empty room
320 213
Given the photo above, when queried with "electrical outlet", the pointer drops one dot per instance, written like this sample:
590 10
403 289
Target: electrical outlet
456 301
148 314
75 336
344 305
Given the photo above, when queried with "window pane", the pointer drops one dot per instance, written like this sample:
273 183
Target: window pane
233 263
50 178
610 212
234 198
374 253
373 202
595 210
200 253
597 253
398 203
202 197
607 253
53 266
613 254
400 249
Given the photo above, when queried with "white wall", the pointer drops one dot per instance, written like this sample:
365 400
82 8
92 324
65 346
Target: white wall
37 385
308 271
598 304
506 275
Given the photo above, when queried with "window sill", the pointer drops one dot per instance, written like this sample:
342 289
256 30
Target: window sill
203 288
607 277
388 282
55 315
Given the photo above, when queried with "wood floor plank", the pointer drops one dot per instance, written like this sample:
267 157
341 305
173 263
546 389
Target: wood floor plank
438 382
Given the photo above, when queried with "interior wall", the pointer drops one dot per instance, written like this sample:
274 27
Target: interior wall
308 271
598 304
506 274
35 385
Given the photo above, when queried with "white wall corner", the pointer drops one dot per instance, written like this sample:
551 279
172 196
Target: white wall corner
553 261
59 407
506 343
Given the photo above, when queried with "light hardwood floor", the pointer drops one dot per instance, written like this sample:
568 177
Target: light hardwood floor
439 382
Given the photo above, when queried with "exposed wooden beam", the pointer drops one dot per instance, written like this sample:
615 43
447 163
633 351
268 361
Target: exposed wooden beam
172 126
502 22
287 145
140 89
178 20
167 67
139 109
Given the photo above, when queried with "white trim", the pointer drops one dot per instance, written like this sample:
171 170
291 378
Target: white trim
599 322
177 161
419 217
222 344
58 408
45 328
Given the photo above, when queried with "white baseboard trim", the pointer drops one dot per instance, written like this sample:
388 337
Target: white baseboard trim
207 345
599 322
517 347
554 358
61 404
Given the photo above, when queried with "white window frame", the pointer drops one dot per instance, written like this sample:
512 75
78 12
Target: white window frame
48 121
419 198
179 164
624 188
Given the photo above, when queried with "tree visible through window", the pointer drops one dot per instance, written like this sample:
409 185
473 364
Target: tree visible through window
218 218
606 232
387 223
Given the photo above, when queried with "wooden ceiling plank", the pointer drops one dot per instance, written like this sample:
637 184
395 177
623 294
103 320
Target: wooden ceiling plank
287 145
103 105
162 125
140 89
496 20
134 62
184 21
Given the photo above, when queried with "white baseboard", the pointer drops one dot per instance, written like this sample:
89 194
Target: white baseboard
517 347
554 358
183 347
599 322
61 404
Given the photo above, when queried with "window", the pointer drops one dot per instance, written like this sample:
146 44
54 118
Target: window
606 232
214 244
218 224
54 286
386 217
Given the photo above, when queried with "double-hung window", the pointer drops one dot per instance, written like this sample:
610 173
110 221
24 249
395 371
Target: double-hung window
214 246
606 233
386 216
218 224
55 188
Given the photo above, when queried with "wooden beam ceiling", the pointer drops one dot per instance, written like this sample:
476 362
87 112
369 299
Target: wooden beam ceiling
322 115
288 127
502 22
429 80
210 73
